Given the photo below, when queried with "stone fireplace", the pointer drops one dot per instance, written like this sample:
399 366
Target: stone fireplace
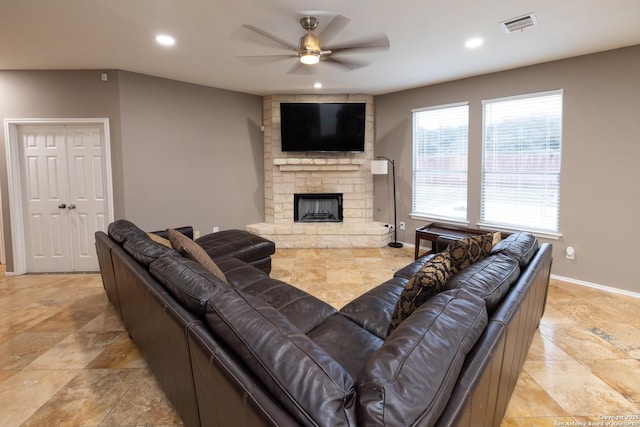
288 174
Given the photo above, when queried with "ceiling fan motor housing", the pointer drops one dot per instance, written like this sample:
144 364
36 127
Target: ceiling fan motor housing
309 50
309 43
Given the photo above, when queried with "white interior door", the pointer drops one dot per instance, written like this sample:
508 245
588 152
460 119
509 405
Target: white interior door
63 173
88 203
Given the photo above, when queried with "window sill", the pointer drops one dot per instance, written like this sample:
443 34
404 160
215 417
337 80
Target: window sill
439 220
537 233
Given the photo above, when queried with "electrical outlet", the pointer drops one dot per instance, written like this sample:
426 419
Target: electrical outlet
401 226
216 229
196 234
570 253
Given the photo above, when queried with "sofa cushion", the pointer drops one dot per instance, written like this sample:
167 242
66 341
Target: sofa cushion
192 250
238 272
348 343
521 246
121 230
302 309
408 381
428 281
145 251
409 270
372 310
237 243
490 279
188 281
306 380
465 252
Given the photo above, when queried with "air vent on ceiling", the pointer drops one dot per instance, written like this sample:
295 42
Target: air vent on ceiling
519 23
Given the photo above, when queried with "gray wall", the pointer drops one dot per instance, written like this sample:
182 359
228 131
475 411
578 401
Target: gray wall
182 154
600 184
192 155
55 94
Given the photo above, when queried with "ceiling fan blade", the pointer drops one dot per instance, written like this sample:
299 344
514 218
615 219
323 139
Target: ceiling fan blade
345 64
372 44
278 41
264 59
333 28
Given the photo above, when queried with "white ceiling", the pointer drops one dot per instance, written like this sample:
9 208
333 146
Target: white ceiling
427 38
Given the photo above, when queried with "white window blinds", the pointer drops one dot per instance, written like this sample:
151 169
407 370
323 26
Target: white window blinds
440 142
522 141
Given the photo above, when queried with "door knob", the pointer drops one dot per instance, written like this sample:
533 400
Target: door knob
72 206
62 206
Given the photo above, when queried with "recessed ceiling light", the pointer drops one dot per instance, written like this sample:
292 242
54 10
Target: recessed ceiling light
165 40
474 43
317 85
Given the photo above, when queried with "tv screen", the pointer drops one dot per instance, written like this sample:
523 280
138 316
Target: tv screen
322 127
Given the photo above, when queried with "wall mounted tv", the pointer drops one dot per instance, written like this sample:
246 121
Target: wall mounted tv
322 126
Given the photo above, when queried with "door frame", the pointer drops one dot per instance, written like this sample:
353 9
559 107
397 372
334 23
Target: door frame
15 183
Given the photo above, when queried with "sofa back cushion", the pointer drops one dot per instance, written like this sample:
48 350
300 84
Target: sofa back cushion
408 381
188 281
490 279
520 246
121 230
302 309
372 310
145 251
300 374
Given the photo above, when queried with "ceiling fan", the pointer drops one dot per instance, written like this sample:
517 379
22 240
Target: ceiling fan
313 48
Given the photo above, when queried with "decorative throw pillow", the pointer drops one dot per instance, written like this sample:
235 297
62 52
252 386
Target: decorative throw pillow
159 239
427 282
497 237
465 252
192 250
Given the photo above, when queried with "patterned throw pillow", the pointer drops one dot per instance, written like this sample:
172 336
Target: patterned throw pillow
427 282
194 251
465 252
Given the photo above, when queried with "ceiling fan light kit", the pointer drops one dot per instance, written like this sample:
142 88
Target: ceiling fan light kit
309 58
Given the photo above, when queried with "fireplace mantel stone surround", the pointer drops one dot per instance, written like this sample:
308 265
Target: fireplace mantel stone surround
287 173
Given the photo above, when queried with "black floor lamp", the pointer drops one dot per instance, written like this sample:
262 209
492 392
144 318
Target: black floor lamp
379 166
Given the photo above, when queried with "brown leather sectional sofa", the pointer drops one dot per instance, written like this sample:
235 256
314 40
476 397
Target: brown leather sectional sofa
258 351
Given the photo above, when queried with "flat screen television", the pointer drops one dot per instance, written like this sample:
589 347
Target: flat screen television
322 126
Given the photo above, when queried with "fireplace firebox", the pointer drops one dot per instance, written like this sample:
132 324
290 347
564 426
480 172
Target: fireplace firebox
317 207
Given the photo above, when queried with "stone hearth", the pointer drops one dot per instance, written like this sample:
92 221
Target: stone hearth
289 173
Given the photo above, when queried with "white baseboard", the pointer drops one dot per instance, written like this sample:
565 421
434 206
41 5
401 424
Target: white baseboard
596 286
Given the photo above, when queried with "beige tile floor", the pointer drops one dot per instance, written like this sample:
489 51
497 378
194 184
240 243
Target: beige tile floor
65 359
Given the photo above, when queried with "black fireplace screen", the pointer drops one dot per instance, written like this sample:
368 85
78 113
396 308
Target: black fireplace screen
324 207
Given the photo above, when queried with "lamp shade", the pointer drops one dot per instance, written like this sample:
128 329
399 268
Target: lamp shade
379 167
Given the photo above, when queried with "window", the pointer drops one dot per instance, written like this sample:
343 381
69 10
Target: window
440 140
522 141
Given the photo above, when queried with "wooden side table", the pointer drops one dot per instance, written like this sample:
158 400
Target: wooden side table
431 233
